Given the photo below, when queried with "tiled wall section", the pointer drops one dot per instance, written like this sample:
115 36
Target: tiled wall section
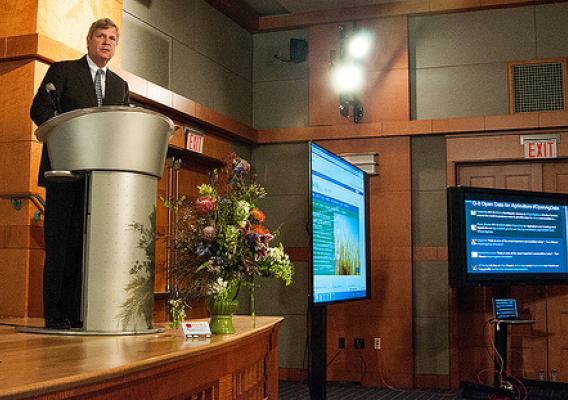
430 276
283 171
280 89
458 62
191 49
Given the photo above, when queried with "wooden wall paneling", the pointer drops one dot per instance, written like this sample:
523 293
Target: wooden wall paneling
553 119
452 125
528 351
178 138
399 8
322 100
385 92
510 122
389 312
35 280
532 348
483 148
17 82
14 282
216 148
15 173
18 17
555 179
557 302
390 42
16 176
475 334
515 176
343 15
527 345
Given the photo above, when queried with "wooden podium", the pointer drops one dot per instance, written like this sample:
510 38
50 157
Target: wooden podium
120 151
243 366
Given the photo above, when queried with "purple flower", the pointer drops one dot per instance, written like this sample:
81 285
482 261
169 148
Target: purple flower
205 249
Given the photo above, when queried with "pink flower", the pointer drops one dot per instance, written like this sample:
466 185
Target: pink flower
205 204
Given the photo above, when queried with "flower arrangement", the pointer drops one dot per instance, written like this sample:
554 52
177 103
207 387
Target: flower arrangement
221 243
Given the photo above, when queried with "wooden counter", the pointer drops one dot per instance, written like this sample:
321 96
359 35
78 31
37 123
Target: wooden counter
160 366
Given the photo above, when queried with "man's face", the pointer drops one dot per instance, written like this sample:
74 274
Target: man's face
101 46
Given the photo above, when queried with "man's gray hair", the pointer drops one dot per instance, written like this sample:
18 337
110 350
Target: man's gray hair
103 23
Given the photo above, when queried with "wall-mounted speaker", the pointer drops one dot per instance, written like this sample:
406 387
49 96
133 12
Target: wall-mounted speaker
298 50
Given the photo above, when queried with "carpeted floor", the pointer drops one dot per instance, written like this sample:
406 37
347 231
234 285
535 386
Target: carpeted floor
349 391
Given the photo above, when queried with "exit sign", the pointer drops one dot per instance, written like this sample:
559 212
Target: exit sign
540 146
194 140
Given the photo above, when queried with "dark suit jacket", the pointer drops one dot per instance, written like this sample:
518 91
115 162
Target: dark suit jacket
75 89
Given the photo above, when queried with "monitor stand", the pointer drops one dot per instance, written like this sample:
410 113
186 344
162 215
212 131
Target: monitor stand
500 330
317 371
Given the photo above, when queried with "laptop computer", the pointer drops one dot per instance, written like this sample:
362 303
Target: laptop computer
506 310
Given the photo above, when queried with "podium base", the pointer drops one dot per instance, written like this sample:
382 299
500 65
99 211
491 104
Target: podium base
80 332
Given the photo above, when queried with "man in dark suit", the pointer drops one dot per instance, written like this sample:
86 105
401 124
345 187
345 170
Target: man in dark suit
82 83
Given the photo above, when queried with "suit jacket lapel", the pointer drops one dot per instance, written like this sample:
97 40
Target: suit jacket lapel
87 81
109 94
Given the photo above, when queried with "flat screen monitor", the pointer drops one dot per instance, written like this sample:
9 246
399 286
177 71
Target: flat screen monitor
506 237
340 261
505 308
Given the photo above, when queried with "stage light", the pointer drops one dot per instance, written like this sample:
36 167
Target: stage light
359 45
347 78
347 70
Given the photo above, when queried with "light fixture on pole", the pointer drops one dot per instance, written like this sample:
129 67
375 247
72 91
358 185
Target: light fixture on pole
348 73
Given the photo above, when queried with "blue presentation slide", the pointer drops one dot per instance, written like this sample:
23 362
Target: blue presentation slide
513 237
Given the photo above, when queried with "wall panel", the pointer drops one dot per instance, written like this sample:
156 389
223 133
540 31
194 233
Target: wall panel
146 51
551 30
223 41
280 104
460 91
473 37
175 18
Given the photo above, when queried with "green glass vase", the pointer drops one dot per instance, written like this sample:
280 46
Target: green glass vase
221 312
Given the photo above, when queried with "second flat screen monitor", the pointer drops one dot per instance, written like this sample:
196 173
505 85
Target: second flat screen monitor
339 215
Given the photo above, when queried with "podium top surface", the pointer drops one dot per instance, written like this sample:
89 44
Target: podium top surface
45 128
108 138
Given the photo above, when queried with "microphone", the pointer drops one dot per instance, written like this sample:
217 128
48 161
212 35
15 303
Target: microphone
53 97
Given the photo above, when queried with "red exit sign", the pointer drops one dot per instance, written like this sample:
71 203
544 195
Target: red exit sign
194 140
540 147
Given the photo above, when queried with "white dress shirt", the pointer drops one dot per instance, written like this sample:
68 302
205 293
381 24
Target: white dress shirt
93 68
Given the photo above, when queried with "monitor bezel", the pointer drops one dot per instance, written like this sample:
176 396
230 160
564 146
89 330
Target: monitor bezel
457 257
310 225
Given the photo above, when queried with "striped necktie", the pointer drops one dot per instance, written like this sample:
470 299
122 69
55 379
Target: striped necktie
99 87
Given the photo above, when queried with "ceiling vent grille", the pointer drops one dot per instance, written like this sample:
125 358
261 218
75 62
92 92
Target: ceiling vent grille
538 87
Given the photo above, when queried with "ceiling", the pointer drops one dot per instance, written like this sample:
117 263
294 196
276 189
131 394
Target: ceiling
280 7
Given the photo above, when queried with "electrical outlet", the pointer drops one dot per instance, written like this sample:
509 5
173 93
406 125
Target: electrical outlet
341 343
359 343
377 343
